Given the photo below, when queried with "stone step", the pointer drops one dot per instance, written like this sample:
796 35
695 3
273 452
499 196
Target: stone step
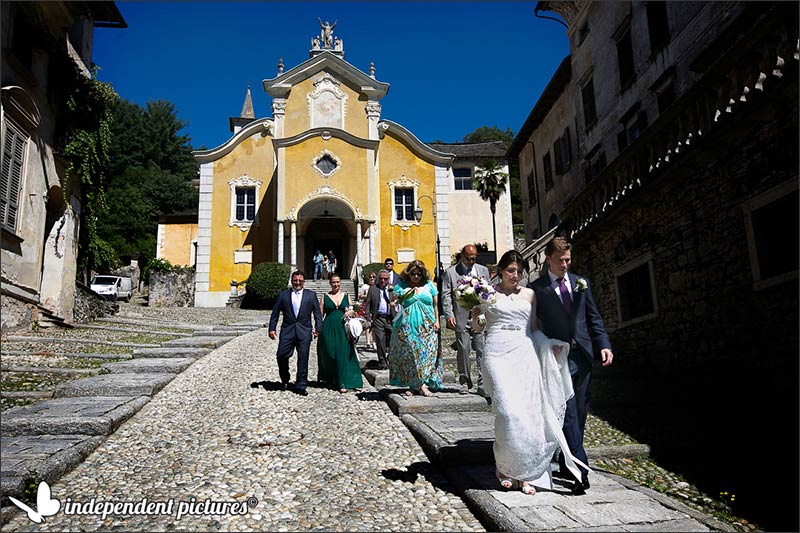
222 332
31 338
114 385
121 329
94 415
27 394
380 378
175 351
144 322
12 353
44 457
444 401
155 365
467 437
49 370
205 341
454 438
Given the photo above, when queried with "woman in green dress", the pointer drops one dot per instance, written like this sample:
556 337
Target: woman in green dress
413 358
338 365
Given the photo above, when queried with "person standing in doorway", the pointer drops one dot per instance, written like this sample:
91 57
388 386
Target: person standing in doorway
318 265
458 318
332 264
325 266
566 311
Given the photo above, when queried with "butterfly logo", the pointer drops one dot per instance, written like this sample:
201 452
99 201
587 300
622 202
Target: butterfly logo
45 505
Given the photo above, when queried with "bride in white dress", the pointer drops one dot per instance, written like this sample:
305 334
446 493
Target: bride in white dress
527 376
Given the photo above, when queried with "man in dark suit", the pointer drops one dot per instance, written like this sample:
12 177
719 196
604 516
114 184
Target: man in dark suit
394 277
566 310
379 312
297 305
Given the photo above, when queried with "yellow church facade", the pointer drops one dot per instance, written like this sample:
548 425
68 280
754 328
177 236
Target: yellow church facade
326 172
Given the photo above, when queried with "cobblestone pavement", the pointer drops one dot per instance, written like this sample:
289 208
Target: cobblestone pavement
188 423
327 461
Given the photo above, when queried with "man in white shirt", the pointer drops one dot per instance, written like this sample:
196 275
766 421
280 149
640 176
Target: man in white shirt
379 312
297 305
566 310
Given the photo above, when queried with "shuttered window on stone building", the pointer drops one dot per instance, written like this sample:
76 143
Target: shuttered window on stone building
13 163
548 172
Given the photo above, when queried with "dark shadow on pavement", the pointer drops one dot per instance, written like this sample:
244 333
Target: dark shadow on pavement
369 396
268 385
421 468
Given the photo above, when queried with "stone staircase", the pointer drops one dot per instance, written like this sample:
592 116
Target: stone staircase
322 286
44 440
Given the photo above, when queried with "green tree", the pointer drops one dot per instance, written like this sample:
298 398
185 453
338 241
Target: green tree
490 133
151 173
144 137
490 182
493 133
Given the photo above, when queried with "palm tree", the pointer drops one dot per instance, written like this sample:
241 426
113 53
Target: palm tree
490 182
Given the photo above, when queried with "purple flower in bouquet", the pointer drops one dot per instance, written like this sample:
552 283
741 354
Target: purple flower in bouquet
472 291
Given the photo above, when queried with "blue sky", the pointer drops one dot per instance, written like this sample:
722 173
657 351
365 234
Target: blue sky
452 66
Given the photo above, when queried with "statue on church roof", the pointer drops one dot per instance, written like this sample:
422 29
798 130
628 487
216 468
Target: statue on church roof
327 32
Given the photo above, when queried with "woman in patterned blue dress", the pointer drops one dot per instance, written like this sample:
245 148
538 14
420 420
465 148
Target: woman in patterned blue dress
413 358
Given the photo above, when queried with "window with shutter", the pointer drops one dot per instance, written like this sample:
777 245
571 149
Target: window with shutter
13 160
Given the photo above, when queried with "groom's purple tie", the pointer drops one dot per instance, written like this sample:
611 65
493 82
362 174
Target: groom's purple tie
566 299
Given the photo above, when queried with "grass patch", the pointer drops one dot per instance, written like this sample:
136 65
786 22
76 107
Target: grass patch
8 403
33 381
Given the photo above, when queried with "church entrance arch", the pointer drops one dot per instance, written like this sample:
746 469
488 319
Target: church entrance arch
328 226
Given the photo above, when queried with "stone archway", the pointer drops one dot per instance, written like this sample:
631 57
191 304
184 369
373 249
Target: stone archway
326 225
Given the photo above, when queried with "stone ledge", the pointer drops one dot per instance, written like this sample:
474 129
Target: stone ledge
400 404
145 365
114 385
206 341
171 352
64 416
48 457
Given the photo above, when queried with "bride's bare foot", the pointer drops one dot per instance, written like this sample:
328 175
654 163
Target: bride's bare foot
527 488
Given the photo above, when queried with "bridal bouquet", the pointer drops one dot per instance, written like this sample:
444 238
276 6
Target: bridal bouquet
472 291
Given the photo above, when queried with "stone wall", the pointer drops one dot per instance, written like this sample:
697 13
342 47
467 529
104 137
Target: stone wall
89 306
130 271
171 289
693 226
16 314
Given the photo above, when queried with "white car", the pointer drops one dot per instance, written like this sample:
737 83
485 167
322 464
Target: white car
106 286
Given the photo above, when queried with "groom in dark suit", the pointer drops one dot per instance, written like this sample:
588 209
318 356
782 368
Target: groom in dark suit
566 310
297 305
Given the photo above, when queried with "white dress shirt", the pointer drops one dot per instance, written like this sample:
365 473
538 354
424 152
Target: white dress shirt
297 299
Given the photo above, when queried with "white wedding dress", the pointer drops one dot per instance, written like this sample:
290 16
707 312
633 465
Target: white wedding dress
529 388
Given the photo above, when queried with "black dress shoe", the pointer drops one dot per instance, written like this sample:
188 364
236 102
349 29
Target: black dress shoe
585 481
301 392
577 489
